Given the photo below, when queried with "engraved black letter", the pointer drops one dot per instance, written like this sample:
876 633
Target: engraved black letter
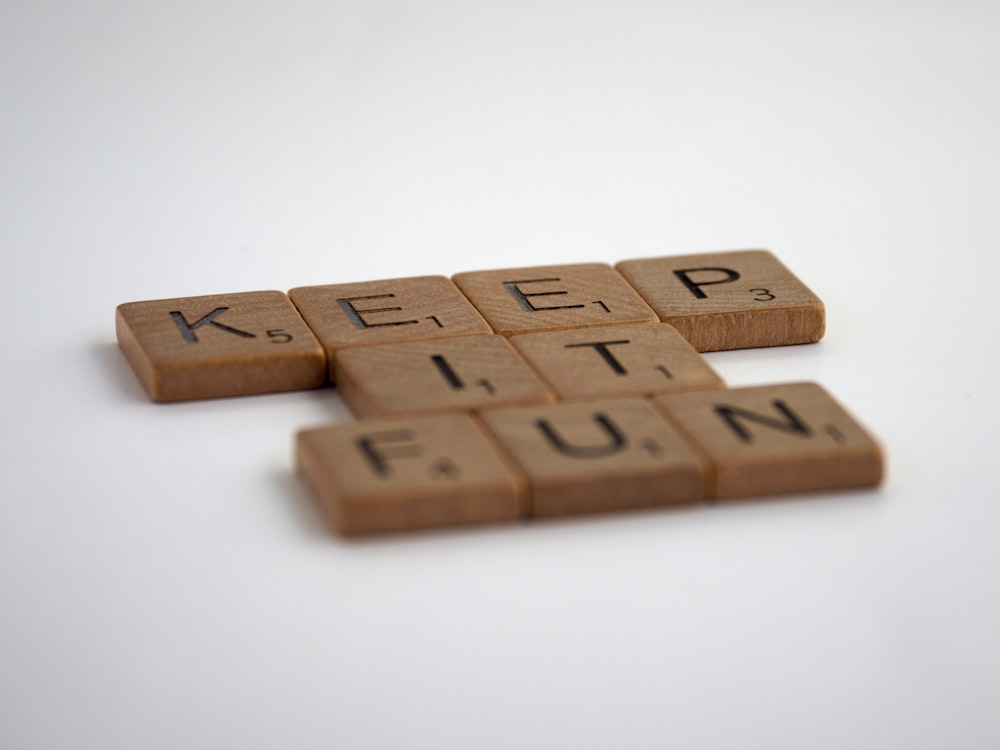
616 441
355 314
601 347
695 287
367 444
793 423
447 372
187 329
523 298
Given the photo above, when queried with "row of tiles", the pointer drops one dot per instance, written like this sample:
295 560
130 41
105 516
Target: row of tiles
471 373
404 473
256 342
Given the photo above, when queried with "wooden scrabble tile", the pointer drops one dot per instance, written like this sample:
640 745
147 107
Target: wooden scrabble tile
598 456
219 345
776 439
517 300
395 474
732 300
390 310
624 360
454 374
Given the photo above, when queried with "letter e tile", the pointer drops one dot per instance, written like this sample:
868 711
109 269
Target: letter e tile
517 300
382 312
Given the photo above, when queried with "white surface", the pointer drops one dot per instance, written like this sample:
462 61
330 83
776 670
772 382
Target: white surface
165 578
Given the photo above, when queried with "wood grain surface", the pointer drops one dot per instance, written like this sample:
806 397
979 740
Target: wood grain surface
385 311
517 300
454 374
775 439
730 300
623 360
219 345
397 474
598 456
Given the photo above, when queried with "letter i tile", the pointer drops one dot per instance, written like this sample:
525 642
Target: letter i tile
441 375
611 454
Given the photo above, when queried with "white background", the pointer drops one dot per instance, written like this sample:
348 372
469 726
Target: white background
165 578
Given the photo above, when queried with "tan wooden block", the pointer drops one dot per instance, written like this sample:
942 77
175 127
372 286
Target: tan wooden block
776 439
731 300
396 474
455 374
602 455
517 300
386 311
219 345
626 360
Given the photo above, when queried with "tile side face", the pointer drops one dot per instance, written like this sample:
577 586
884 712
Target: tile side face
776 439
598 456
730 300
408 473
517 300
219 345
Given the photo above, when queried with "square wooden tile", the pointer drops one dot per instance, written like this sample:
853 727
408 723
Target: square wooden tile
397 474
454 374
776 439
517 300
731 300
219 345
387 311
598 456
624 360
